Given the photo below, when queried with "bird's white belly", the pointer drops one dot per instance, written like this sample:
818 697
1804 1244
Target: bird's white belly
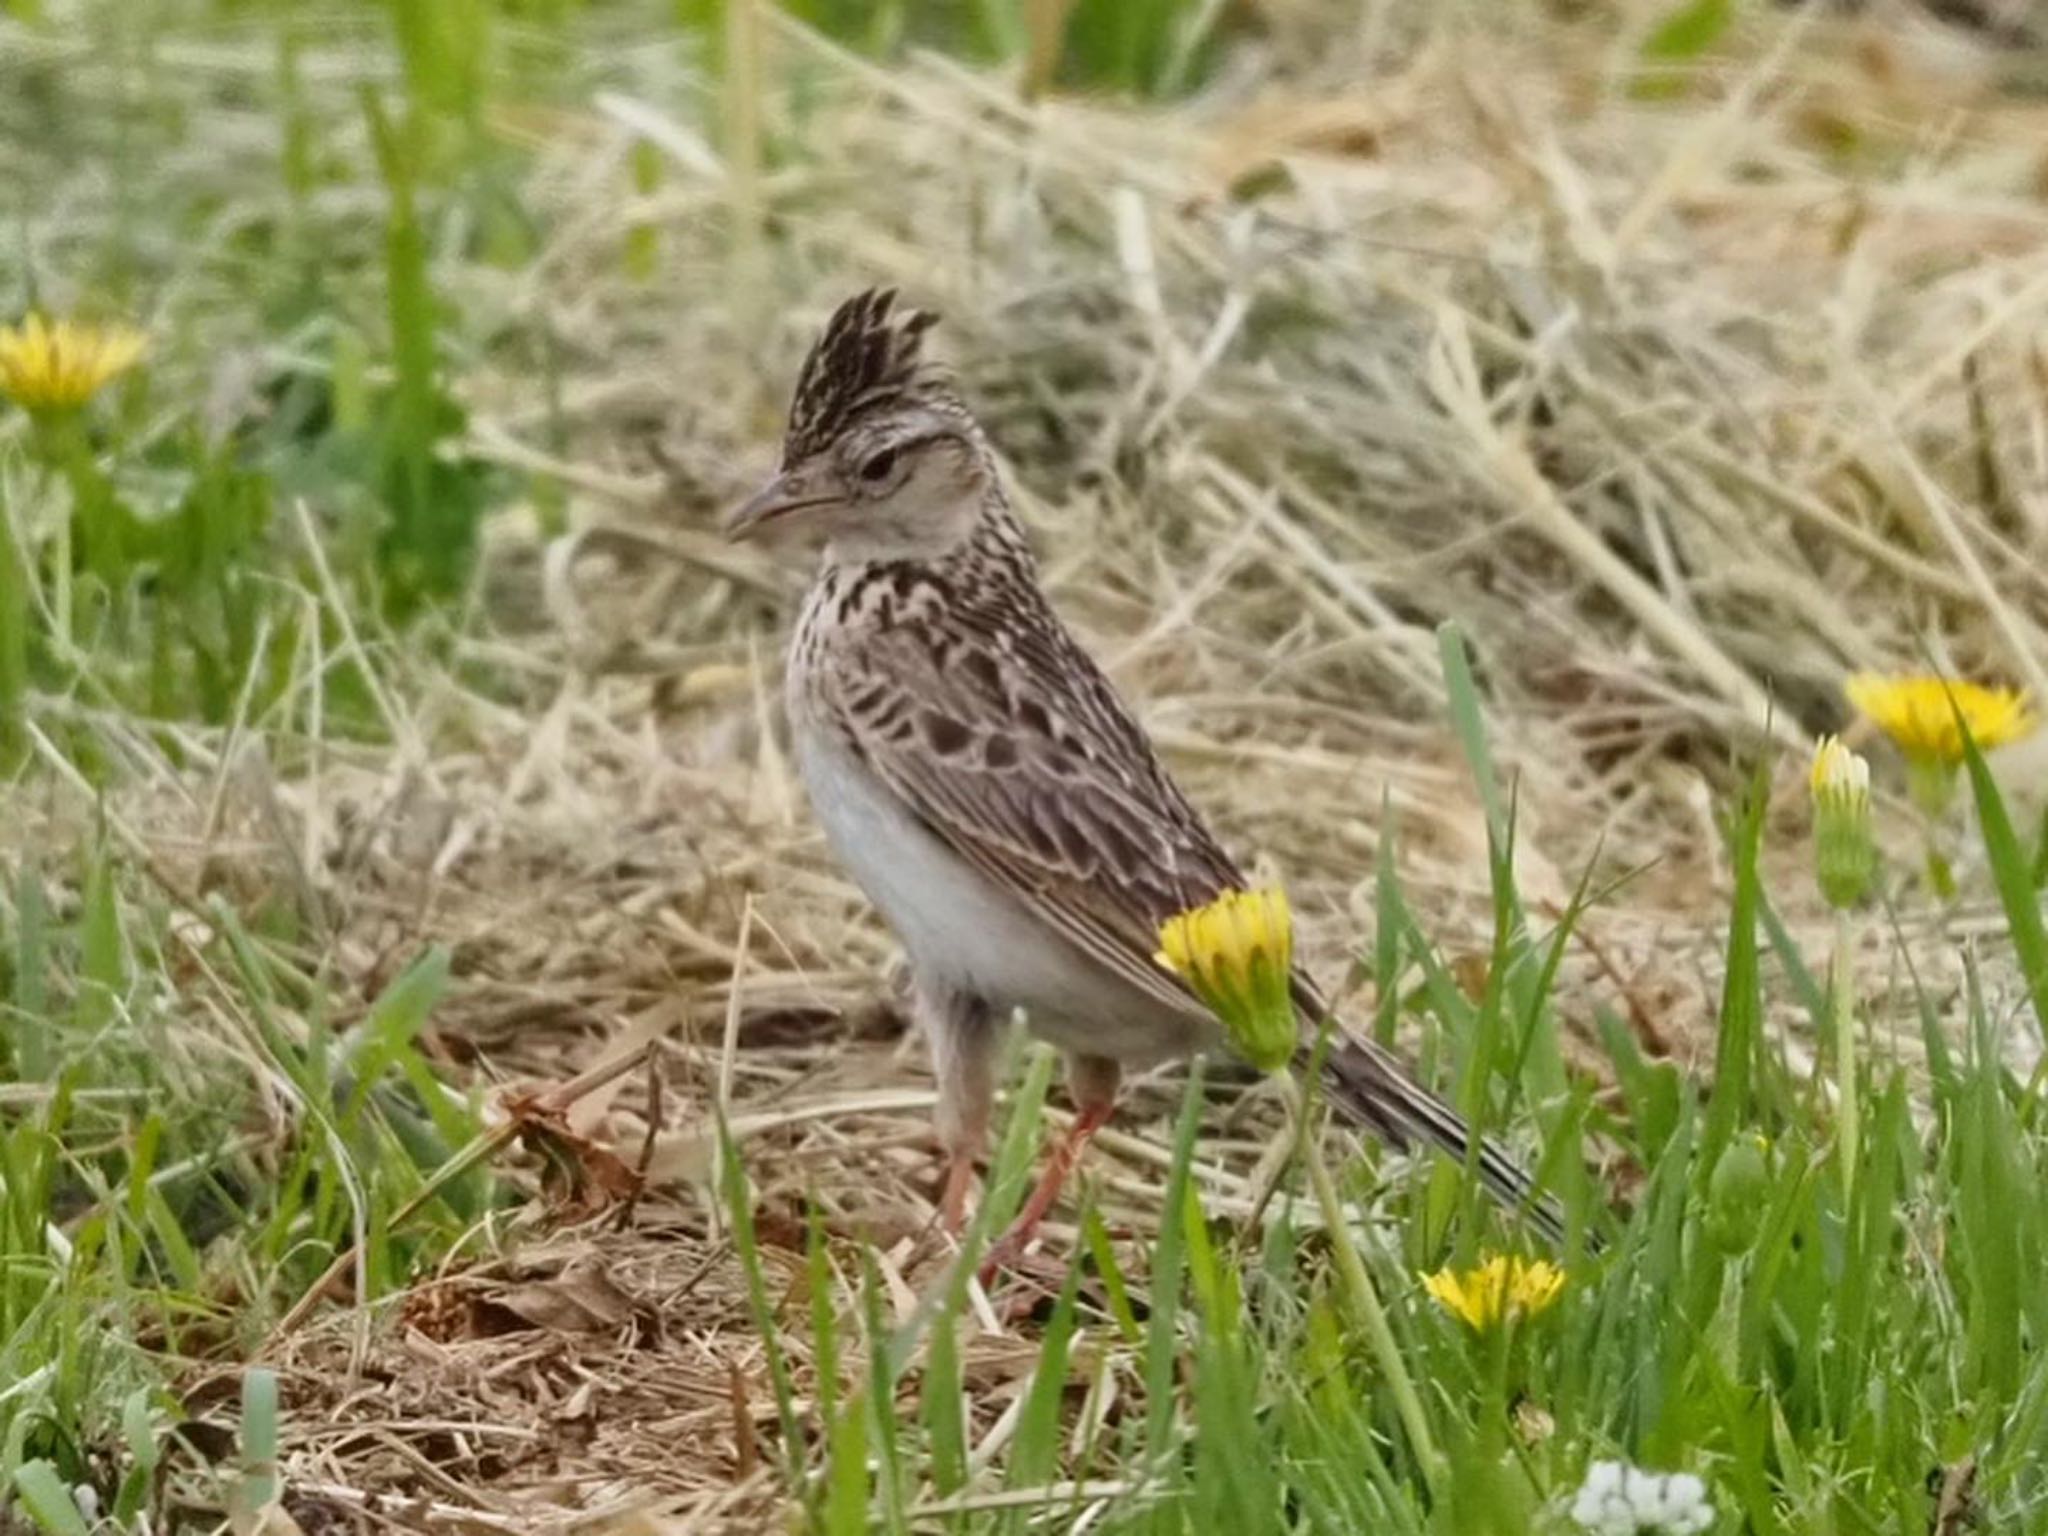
962 930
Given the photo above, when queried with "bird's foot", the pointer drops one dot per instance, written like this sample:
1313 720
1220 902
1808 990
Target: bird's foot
953 1196
1011 1247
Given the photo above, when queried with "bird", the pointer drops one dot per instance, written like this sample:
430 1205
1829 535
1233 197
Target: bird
988 788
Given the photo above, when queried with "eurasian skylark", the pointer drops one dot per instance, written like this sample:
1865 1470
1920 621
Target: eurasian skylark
981 779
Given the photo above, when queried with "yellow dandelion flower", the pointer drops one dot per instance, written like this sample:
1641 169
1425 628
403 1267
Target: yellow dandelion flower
1237 954
1845 855
55 367
1919 713
1498 1289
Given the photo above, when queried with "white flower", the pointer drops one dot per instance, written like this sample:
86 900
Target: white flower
1685 1503
1620 1500
1601 1506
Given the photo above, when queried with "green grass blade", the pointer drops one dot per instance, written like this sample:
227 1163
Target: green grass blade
942 1405
2013 873
1741 1047
1035 1458
29 1030
1391 922
101 964
824 1317
260 1485
14 628
887 1425
1469 722
1116 1290
2041 852
1162 1344
737 1195
394 1021
1989 1187
845 1510
48 1501
1806 987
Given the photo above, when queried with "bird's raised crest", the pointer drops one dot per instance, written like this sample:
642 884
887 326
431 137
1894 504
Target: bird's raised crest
867 356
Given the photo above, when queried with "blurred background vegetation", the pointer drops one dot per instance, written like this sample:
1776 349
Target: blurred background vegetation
322 215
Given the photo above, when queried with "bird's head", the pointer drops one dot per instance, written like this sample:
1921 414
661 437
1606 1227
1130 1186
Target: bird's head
881 457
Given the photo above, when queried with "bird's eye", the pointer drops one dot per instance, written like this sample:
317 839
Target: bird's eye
875 469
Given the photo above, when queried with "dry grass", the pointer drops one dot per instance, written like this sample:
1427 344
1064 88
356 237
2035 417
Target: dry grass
1682 407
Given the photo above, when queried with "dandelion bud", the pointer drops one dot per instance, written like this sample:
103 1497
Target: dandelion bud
1739 1188
1845 856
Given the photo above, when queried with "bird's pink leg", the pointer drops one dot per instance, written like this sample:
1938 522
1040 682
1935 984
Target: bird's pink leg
963 1045
953 1199
1093 1081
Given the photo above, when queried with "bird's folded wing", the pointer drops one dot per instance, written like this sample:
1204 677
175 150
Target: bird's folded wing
1026 763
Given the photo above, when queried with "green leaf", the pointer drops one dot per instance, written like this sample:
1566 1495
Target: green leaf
1116 1290
44 1495
396 1018
259 1438
14 628
142 1163
738 1197
138 1429
943 1406
1990 1244
138 1434
1391 920
1689 31
1741 1047
1035 1459
1470 724
178 1251
1143 47
1812 996
33 1054
1205 1270
846 1471
101 965
1162 1343
2013 873
824 1315
434 505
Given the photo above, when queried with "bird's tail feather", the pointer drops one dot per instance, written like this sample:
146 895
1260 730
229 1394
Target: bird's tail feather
1370 1087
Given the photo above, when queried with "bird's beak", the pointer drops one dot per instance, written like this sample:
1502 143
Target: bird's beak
778 503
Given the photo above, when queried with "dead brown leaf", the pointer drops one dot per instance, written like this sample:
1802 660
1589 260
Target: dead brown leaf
582 1299
580 1176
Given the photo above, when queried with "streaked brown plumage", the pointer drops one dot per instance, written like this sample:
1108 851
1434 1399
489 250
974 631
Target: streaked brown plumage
979 775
